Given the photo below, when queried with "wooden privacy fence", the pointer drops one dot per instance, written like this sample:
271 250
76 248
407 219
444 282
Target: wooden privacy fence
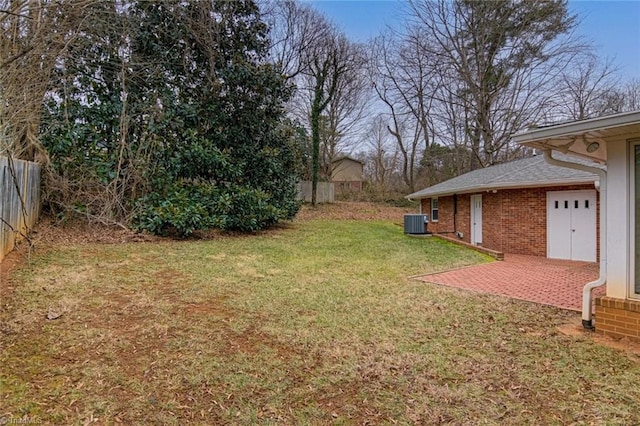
19 200
324 192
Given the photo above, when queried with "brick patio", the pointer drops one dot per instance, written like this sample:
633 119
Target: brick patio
535 279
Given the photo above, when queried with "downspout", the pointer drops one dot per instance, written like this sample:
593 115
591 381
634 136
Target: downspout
587 297
455 213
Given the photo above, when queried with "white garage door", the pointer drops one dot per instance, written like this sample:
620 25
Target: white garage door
571 225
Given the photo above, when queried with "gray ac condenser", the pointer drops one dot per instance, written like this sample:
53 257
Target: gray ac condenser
415 223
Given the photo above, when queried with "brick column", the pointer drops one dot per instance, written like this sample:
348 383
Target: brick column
618 317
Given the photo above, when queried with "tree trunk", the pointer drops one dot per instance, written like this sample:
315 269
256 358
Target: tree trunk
316 110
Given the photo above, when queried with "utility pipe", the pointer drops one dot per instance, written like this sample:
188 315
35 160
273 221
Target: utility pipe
601 186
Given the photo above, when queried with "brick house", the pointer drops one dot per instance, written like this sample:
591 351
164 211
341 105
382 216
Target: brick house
524 206
614 141
346 174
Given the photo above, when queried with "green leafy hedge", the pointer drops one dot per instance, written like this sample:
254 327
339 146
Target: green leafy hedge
171 119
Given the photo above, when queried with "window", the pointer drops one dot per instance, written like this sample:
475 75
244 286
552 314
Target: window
434 210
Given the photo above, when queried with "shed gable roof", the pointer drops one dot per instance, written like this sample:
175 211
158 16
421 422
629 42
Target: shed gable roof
525 173
346 158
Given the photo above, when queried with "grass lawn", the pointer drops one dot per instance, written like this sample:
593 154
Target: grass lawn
313 323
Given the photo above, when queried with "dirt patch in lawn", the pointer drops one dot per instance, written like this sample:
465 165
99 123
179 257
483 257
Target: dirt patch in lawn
630 348
12 261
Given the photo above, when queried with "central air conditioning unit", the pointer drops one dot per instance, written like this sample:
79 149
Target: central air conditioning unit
416 223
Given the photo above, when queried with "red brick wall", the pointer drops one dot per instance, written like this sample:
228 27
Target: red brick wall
522 228
463 218
513 220
618 317
445 223
493 221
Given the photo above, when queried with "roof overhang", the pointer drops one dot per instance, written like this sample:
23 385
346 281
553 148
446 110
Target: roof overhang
490 188
585 138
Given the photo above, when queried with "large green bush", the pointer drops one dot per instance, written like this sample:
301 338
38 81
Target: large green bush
171 118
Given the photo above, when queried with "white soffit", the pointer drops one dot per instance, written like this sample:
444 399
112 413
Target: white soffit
574 137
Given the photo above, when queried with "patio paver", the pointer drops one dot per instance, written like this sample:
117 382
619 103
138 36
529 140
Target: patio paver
535 279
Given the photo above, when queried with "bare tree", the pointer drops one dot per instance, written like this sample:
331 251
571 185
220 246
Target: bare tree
294 29
382 159
34 34
401 77
343 121
631 95
450 120
587 89
504 54
326 70
623 97
329 62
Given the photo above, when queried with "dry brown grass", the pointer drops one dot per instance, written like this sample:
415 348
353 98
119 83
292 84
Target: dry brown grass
351 210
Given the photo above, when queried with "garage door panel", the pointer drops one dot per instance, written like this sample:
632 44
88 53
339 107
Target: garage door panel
559 226
583 223
571 225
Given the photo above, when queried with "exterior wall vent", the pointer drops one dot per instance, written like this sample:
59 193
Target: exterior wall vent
416 223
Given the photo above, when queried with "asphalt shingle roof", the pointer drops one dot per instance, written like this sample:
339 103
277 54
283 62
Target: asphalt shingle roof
527 172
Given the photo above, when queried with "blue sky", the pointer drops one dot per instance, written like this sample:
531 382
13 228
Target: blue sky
613 27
